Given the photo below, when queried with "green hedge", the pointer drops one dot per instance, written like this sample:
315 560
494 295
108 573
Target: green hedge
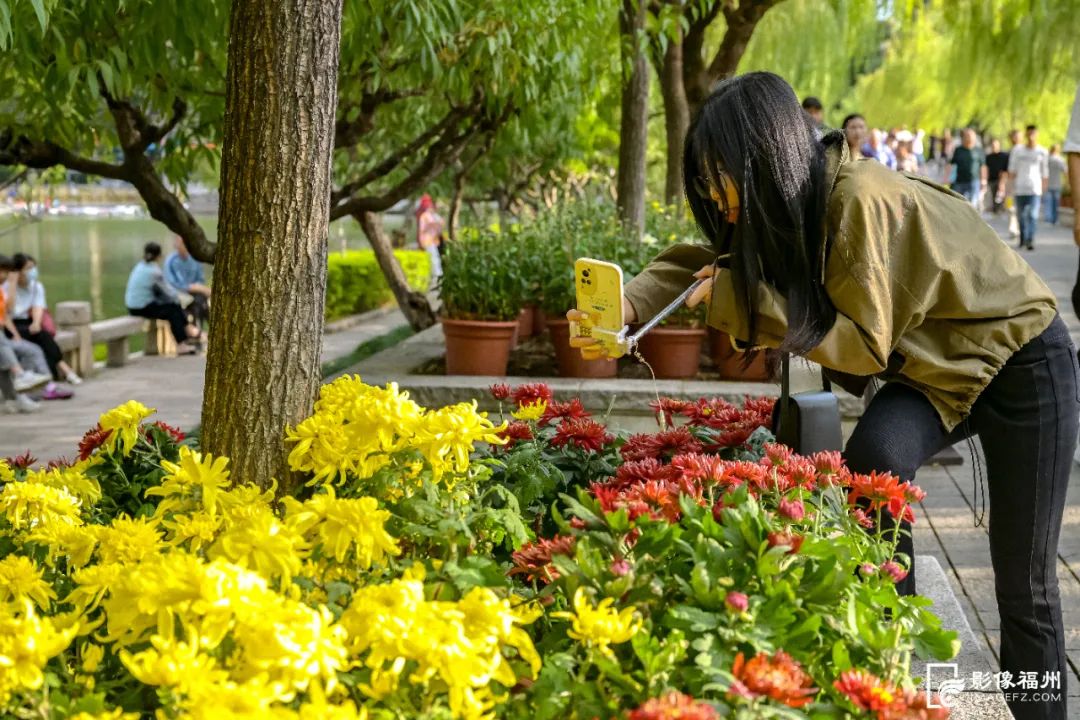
355 284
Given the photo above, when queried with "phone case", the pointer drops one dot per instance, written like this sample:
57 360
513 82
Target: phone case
599 289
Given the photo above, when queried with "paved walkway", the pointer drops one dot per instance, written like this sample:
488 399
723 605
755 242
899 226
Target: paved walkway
174 386
945 526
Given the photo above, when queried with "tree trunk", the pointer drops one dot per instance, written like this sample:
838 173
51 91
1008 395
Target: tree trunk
633 129
414 305
455 206
263 369
676 120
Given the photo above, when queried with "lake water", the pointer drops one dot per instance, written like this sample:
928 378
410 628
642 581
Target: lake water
82 258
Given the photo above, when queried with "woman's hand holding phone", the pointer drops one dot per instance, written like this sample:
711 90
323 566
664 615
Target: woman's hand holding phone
590 347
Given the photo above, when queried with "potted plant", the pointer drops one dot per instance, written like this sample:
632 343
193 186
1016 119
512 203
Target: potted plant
481 300
673 349
530 264
731 363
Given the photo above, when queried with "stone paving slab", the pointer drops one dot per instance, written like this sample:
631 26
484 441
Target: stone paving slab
174 386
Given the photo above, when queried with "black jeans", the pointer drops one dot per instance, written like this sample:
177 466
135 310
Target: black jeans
53 355
1027 421
170 312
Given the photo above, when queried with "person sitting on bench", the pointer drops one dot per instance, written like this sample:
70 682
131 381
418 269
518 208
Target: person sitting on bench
185 274
149 296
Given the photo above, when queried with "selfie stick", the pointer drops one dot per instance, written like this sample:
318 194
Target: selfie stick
629 343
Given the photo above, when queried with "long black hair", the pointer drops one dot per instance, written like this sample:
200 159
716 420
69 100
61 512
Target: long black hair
753 130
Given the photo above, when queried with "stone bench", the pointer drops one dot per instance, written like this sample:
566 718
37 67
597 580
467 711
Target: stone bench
76 336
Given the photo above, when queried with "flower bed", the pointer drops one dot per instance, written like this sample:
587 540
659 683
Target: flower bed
437 565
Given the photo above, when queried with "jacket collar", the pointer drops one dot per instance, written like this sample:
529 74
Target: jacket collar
836 155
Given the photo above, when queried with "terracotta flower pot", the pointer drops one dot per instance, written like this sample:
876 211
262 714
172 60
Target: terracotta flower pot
539 321
476 347
674 353
569 359
526 324
728 360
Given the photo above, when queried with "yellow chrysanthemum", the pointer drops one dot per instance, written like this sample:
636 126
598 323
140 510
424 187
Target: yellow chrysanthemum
600 626
446 436
195 481
27 642
30 505
129 540
344 523
74 542
173 664
116 714
70 479
531 412
6 473
21 579
256 539
91 655
198 529
123 421
461 643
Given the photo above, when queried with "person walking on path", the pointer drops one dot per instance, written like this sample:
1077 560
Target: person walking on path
970 164
429 231
877 149
1014 223
997 165
854 129
1055 165
1029 171
807 253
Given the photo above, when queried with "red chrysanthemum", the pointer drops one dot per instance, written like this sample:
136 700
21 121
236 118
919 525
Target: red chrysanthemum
777 455
778 677
94 438
800 472
793 510
754 475
514 433
175 433
915 706
668 408
737 601
500 391
894 570
530 393
831 468
673 706
21 462
885 491
641 471
661 445
710 412
792 540
865 690
708 469
533 560
862 518
572 410
59 463
762 407
583 433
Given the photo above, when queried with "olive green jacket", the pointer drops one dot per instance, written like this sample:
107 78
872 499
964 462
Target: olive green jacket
925 291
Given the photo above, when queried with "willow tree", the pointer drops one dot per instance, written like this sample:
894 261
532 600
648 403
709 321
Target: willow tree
128 90
998 65
426 84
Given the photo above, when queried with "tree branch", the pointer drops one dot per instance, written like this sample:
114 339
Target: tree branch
39 154
349 132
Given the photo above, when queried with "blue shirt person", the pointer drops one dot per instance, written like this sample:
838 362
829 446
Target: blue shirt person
184 272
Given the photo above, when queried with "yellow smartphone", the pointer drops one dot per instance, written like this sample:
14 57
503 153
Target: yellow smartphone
599 287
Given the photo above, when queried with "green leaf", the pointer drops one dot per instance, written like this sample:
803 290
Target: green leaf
42 16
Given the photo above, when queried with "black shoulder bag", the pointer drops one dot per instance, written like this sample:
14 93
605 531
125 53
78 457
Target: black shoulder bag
807 422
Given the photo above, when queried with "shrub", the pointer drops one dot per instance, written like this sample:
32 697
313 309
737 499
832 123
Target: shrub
355 283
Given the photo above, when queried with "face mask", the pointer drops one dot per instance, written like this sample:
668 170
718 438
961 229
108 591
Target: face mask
31 274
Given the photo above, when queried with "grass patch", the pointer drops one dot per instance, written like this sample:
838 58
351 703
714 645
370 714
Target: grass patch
366 349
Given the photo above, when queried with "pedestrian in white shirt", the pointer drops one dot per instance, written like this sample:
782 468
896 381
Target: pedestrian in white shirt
1029 168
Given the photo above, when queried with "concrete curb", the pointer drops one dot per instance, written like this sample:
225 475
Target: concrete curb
351 321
